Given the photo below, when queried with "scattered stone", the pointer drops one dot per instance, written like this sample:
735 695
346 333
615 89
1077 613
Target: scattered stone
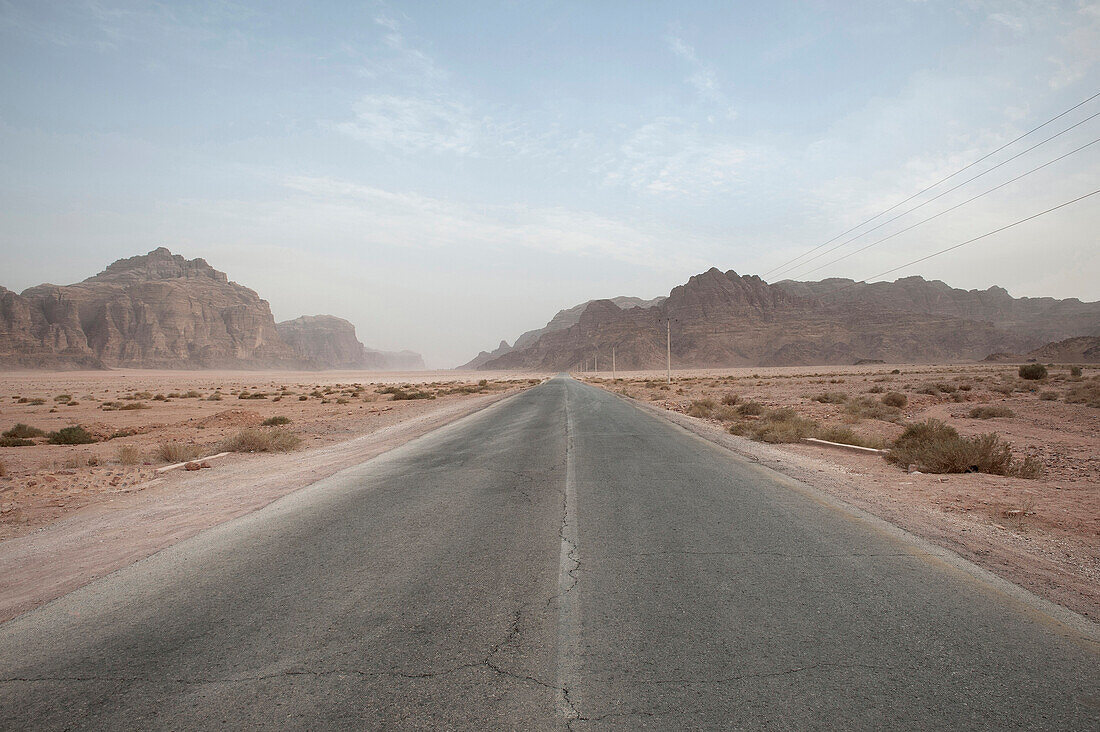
205 464
192 466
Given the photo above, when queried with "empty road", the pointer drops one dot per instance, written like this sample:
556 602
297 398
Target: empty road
560 559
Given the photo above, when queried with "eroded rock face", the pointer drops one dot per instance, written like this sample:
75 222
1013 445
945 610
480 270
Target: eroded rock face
331 343
724 319
159 310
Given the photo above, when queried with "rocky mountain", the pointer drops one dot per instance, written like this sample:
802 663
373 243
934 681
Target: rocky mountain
562 320
331 343
724 319
156 310
1082 349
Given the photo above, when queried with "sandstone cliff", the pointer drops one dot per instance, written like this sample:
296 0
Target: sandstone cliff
330 342
724 319
156 310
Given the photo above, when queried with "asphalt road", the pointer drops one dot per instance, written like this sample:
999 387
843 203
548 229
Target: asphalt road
561 558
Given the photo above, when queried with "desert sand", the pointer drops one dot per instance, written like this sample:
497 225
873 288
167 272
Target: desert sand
192 411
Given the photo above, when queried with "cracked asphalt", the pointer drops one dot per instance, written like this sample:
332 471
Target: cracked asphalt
561 559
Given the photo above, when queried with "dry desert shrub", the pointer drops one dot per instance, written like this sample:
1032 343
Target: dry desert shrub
867 408
127 455
935 447
24 431
1087 392
75 435
776 426
750 409
3 469
177 452
15 442
894 399
831 397
1075 371
701 408
1048 396
275 421
1033 371
726 413
275 439
846 436
989 411
729 399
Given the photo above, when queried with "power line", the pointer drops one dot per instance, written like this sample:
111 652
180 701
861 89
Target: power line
968 241
941 180
949 210
942 194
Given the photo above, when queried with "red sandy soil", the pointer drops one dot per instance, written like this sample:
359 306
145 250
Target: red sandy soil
1043 534
42 483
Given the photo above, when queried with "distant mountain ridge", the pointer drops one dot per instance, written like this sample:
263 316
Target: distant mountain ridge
562 320
725 319
331 341
155 310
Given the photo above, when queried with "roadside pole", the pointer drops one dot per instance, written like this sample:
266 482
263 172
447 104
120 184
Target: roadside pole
668 347
613 376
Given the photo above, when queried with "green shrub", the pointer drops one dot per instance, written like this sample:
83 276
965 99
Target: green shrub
15 442
71 436
989 411
934 447
276 421
1033 371
24 431
1075 371
894 399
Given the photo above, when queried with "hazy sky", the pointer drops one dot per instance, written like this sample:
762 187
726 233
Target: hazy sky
448 174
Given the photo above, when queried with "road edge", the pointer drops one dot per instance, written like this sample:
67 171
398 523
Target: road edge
1039 607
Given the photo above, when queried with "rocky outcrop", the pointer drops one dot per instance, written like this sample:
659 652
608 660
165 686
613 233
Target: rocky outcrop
1083 349
724 319
330 343
156 310
562 320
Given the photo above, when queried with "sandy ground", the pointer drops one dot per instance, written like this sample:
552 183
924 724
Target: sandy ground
1042 534
62 533
195 409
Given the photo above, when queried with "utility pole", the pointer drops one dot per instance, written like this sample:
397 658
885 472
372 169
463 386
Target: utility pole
668 346
613 376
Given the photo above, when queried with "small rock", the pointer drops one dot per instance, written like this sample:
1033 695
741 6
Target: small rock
192 466
205 464
1011 512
